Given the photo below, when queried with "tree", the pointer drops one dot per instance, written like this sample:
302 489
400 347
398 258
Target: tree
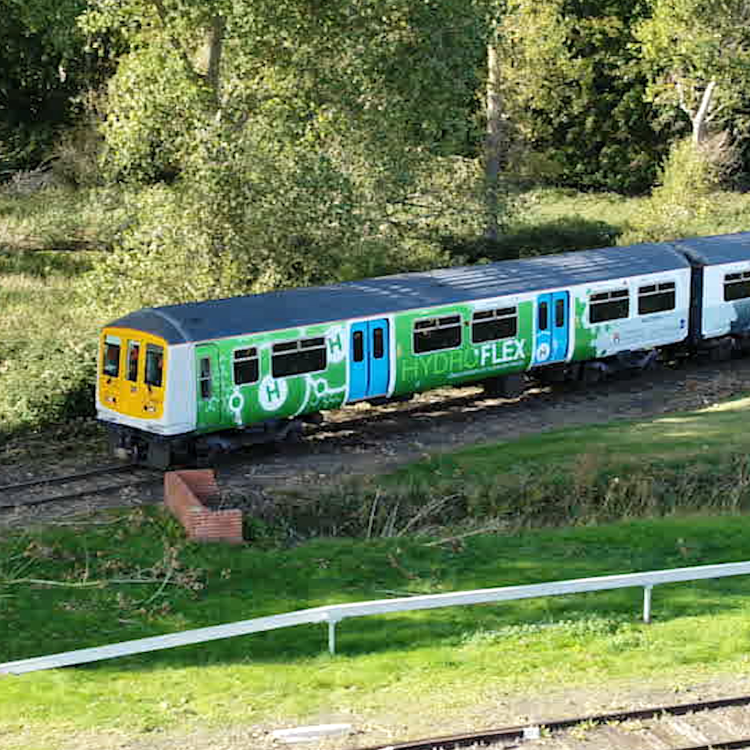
43 67
574 91
699 55
295 130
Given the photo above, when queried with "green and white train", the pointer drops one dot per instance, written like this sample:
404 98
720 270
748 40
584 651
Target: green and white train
196 378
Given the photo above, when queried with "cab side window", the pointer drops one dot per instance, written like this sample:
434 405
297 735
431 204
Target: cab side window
154 365
111 357
204 378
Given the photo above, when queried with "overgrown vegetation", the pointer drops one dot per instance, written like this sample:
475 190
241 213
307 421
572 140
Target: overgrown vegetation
674 465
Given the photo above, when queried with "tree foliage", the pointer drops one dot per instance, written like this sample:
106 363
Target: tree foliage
42 67
290 129
698 52
578 90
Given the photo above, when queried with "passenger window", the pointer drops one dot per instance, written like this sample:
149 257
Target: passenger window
359 346
246 366
111 359
609 305
434 334
657 298
154 365
204 378
490 325
559 313
736 286
134 352
378 344
299 357
543 317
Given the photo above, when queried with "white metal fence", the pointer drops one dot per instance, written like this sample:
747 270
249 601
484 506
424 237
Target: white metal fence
335 613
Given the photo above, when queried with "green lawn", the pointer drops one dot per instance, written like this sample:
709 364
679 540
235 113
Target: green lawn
401 665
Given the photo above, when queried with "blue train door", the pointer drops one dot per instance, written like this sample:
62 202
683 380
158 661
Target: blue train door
552 328
369 360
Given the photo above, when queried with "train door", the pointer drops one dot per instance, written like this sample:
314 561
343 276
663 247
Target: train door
208 385
560 313
369 359
132 392
551 328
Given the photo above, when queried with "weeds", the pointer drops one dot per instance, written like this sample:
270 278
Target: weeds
589 490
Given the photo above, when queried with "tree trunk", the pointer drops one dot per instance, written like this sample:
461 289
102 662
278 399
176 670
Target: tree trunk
215 48
494 143
700 119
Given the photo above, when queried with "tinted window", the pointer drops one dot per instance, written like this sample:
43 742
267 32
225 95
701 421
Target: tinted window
154 365
542 316
559 313
736 286
359 346
609 305
657 298
134 351
204 378
490 325
298 357
437 333
246 366
378 344
111 361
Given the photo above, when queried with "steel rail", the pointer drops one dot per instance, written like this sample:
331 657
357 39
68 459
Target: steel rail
70 496
67 478
524 732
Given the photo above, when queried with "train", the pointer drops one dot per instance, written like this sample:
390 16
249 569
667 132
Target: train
180 383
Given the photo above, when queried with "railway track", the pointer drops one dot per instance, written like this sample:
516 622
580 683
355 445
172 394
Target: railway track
76 486
706 725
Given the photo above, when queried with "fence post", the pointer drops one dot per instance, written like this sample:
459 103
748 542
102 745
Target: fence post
332 635
647 604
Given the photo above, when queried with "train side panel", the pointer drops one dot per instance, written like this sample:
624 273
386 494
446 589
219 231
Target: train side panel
725 300
476 354
236 384
629 314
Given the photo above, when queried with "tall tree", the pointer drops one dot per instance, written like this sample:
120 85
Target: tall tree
43 66
698 52
575 89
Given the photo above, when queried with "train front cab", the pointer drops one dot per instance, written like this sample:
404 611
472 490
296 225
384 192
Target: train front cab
132 373
131 385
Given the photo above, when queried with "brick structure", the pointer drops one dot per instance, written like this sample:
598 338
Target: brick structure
185 494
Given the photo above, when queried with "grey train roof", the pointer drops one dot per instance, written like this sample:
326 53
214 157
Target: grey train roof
202 321
711 251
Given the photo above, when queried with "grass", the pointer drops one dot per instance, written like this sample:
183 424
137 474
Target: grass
391 664
683 462
389 668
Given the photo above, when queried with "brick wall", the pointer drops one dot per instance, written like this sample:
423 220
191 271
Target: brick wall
185 492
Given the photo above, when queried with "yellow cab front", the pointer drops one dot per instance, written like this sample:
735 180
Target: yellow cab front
132 373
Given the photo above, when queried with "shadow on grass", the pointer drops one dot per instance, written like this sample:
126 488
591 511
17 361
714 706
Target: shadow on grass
560 235
43 263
